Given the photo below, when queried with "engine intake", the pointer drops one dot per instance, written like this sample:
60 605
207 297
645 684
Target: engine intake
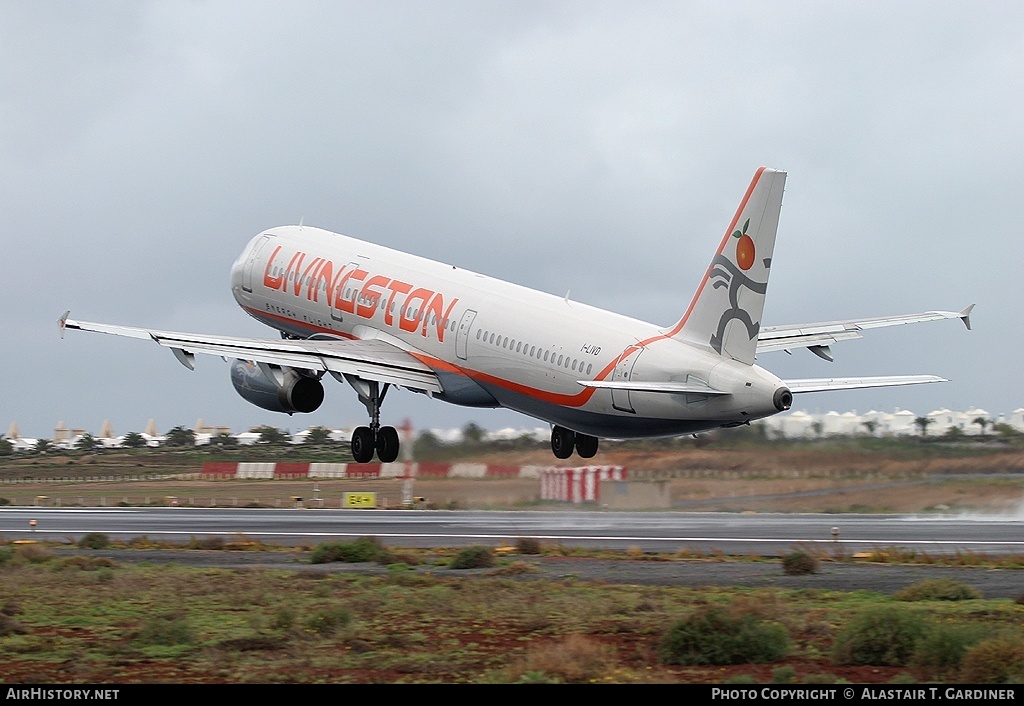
295 393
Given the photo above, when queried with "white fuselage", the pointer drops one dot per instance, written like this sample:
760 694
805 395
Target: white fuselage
493 343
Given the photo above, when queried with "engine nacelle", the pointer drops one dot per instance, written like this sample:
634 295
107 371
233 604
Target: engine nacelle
295 392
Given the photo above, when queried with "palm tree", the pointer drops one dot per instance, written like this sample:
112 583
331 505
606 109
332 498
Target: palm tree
87 442
870 425
223 439
180 436
318 436
922 424
981 422
133 440
272 436
472 433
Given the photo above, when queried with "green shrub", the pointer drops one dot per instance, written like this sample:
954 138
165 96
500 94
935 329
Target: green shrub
210 543
995 661
33 553
941 651
575 659
94 540
361 550
881 636
799 563
783 675
11 626
284 618
938 590
165 629
529 545
740 679
85 563
714 635
473 558
820 678
327 621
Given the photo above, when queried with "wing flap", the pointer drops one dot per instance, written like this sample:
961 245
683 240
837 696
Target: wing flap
370 360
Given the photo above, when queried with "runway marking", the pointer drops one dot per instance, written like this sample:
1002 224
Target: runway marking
606 538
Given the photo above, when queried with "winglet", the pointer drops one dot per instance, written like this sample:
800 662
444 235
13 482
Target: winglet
62 321
965 316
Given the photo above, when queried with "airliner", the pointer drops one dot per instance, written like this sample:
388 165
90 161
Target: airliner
375 318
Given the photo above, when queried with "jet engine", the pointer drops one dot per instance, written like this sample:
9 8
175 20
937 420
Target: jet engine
275 388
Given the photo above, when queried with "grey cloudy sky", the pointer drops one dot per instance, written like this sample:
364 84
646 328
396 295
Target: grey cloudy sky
597 147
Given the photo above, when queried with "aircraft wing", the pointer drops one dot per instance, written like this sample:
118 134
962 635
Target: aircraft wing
817 337
826 384
369 359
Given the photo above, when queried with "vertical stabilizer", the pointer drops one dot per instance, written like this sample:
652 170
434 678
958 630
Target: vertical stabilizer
725 314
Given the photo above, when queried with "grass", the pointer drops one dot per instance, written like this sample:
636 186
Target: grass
108 622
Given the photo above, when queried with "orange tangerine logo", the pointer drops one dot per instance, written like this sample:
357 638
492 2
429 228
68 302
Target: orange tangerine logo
744 248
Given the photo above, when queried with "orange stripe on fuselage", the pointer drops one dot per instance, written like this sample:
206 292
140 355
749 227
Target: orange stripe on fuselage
566 400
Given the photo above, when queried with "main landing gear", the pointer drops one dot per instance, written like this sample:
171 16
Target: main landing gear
367 440
563 441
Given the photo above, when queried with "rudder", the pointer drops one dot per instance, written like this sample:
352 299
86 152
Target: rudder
725 313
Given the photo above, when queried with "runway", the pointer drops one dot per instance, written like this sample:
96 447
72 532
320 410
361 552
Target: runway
761 534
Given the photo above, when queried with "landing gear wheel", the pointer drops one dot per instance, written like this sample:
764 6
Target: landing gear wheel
362 445
387 444
562 442
586 446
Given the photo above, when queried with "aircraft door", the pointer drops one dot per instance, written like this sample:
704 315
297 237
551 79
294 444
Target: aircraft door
337 296
623 373
250 266
462 336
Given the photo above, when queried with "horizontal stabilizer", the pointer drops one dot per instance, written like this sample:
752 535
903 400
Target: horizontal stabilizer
826 384
676 388
784 338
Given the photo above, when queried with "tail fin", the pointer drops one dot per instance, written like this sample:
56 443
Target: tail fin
725 314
